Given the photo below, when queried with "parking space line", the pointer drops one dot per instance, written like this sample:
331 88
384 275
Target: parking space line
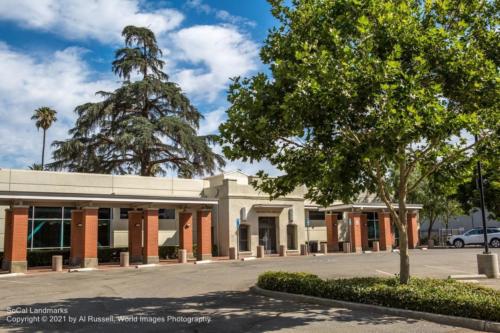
384 273
446 269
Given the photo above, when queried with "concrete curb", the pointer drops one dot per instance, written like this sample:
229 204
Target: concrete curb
87 269
475 324
6 275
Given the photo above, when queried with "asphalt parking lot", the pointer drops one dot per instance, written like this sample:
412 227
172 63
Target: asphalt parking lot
211 297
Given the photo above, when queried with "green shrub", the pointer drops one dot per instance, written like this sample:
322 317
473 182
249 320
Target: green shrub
447 297
167 252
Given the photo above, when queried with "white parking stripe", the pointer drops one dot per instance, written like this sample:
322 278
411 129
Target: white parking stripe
384 273
446 269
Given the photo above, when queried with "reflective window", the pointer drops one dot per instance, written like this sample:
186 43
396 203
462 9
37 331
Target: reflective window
373 227
243 237
50 227
166 213
291 231
316 215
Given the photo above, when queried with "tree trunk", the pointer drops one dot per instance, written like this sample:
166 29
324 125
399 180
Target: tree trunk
43 149
431 224
404 258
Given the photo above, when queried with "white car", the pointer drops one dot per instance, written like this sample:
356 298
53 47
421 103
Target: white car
475 237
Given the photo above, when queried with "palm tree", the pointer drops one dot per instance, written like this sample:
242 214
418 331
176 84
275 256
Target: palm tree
44 117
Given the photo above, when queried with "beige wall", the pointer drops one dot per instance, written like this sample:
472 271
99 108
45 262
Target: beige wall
81 183
234 195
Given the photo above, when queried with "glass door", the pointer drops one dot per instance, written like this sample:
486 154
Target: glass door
267 233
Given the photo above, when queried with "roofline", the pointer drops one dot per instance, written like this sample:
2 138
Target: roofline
362 206
6 196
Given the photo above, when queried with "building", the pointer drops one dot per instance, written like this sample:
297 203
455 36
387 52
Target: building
81 212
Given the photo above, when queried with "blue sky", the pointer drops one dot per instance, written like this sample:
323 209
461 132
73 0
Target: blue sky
58 53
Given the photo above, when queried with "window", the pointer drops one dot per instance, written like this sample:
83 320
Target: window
124 213
50 227
316 215
291 231
373 227
493 230
243 235
166 213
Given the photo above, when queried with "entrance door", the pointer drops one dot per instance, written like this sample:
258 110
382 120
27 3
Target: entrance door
267 233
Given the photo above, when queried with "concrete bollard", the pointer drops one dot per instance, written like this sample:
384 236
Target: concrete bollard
430 243
487 264
324 248
303 250
260 251
124 259
57 263
347 247
182 256
375 246
232 253
282 251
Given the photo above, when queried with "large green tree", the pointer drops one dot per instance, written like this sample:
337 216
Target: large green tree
360 88
147 126
44 117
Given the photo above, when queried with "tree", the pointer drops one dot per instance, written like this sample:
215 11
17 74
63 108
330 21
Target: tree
44 118
35 167
146 126
436 193
359 88
468 194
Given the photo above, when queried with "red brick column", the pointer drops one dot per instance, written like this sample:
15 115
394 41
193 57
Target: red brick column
204 236
364 232
89 237
332 232
7 238
76 250
135 235
355 232
412 227
186 232
16 239
150 249
385 233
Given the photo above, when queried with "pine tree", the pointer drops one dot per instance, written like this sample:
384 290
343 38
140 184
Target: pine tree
146 127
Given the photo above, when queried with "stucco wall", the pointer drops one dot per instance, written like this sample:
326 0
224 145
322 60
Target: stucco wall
82 183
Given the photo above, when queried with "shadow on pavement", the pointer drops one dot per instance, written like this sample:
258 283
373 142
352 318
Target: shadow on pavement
228 312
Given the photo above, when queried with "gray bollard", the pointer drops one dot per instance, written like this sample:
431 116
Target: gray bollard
324 248
124 259
375 246
282 250
347 247
57 263
232 253
182 256
303 250
487 264
260 251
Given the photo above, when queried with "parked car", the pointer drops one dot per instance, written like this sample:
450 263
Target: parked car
475 237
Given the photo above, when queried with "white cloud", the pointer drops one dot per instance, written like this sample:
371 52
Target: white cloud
211 122
102 20
61 81
217 53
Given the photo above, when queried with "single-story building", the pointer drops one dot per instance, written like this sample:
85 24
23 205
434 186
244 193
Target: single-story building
82 212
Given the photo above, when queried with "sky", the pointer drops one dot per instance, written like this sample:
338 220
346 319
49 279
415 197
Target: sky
58 53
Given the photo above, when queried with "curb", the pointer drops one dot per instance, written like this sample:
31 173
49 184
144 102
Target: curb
475 324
